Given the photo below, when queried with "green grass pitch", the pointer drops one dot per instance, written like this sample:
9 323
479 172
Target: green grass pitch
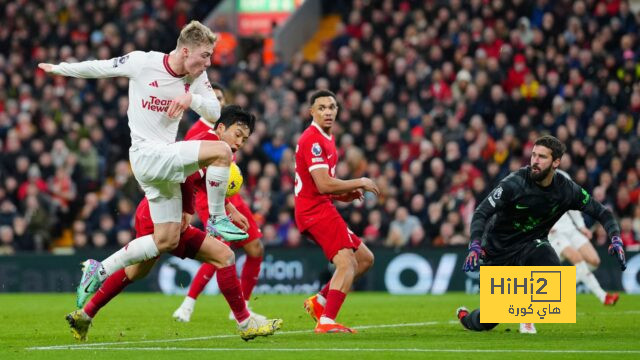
139 326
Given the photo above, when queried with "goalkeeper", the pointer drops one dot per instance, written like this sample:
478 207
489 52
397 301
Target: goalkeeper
517 215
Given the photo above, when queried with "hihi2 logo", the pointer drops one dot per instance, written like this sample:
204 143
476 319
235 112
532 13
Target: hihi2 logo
528 294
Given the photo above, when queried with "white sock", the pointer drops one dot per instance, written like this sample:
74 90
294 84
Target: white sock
188 303
321 300
138 250
589 280
325 320
217 180
243 324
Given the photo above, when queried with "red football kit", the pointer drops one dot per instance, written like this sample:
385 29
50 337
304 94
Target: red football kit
315 214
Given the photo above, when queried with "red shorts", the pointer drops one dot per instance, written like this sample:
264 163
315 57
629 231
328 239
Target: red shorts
190 240
202 208
334 237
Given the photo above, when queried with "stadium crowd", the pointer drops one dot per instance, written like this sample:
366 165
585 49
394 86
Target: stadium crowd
439 101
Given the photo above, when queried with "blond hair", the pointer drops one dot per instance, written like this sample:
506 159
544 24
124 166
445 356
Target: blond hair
196 34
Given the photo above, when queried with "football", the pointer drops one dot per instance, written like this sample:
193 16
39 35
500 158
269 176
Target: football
235 180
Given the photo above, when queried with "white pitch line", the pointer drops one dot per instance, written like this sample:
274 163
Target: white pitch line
62 347
359 349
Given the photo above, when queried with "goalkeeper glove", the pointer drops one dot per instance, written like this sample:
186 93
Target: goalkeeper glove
475 253
616 249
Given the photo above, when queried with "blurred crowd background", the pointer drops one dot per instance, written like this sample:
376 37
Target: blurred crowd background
439 101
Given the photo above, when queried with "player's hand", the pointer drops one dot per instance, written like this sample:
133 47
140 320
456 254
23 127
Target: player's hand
46 67
369 185
616 249
186 220
471 263
179 105
586 232
239 219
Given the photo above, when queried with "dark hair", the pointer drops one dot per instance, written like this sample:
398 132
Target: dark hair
551 142
232 114
319 94
217 86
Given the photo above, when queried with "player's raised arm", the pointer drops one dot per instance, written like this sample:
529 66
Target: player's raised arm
128 65
585 202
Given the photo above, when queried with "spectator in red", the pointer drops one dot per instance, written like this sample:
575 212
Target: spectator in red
516 74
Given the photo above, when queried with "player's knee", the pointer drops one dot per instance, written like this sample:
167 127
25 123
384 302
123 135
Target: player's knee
255 249
221 154
365 262
227 257
594 261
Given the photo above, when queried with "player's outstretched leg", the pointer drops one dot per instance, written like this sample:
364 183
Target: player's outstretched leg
471 321
81 319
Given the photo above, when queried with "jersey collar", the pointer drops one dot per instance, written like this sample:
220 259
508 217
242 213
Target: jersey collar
329 137
165 61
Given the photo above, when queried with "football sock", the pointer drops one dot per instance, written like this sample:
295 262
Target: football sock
136 251
321 300
217 180
335 299
249 276
109 289
230 287
200 281
586 277
472 322
324 292
188 303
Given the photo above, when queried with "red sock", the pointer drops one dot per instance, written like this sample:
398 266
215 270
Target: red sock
335 298
250 273
230 287
325 290
111 287
200 281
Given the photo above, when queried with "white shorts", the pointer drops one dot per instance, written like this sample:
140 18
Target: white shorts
561 240
160 169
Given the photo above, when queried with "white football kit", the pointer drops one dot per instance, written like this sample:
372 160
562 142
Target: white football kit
159 163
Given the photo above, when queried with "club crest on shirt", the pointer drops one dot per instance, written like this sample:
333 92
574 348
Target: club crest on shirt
316 150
